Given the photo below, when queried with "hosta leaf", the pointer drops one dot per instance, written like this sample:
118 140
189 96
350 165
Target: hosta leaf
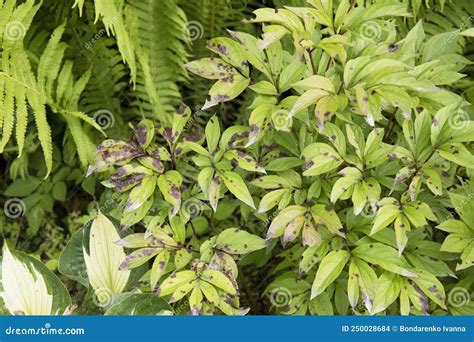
29 287
103 257
71 260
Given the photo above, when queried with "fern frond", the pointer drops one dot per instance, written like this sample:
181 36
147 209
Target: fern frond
160 30
21 88
111 12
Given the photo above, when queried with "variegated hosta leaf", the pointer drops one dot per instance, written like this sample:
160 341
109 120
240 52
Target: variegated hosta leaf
103 258
29 287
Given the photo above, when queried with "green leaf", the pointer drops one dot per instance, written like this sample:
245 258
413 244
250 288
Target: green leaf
231 52
463 206
330 268
213 133
237 186
401 226
321 305
431 287
384 217
271 199
71 260
141 193
210 68
236 241
264 88
159 267
22 187
244 161
174 281
219 280
144 133
138 258
327 217
384 256
279 223
388 289
139 304
308 98
226 89
170 186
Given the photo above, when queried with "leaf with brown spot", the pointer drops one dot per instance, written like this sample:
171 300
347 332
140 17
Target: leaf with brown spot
170 187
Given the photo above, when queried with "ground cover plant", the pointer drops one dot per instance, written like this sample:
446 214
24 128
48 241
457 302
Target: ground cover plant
236 157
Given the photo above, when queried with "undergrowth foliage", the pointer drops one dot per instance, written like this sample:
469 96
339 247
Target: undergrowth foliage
343 186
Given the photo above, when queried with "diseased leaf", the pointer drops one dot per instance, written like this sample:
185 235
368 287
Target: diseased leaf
237 241
330 268
237 187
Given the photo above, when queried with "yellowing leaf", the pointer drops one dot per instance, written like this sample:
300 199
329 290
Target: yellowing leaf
103 258
219 280
328 271
237 186
237 241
